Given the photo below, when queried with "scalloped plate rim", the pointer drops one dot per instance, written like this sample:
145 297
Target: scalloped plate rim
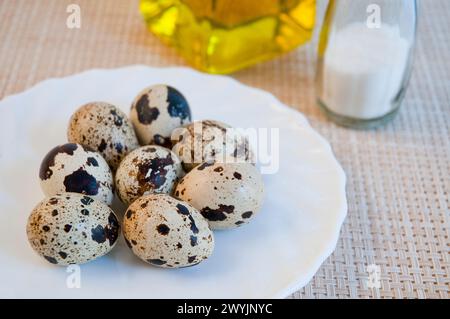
302 279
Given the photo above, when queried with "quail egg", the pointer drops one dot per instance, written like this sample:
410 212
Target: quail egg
156 112
227 195
72 228
75 168
167 232
105 129
204 141
148 169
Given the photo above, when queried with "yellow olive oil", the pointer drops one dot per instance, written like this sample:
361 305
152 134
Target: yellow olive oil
222 36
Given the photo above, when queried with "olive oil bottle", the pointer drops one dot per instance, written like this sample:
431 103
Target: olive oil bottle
222 36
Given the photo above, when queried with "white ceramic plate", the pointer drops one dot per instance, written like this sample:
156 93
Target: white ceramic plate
273 256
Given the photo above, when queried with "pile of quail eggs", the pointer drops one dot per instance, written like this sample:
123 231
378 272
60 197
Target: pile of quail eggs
175 195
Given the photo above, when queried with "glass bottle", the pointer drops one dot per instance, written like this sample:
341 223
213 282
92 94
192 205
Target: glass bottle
221 36
365 60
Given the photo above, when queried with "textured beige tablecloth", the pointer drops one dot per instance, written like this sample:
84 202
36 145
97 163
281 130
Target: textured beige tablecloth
398 176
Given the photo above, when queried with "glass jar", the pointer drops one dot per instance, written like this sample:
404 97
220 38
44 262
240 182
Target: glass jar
222 36
365 60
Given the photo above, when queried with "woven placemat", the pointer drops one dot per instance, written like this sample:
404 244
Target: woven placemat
398 176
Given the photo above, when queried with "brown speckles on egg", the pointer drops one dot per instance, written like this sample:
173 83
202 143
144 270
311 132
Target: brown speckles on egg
210 141
129 213
66 241
81 182
163 229
91 161
77 169
213 214
112 229
48 162
193 240
152 172
168 230
104 128
102 146
145 113
51 260
156 112
146 170
117 118
247 214
193 226
182 209
118 147
85 200
191 259
98 234
227 195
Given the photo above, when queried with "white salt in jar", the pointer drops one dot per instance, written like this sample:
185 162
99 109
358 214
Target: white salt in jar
365 59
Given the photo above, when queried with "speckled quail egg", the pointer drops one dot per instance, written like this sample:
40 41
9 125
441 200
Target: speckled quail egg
156 112
227 195
148 169
167 232
75 168
105 129
71 228
207 140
